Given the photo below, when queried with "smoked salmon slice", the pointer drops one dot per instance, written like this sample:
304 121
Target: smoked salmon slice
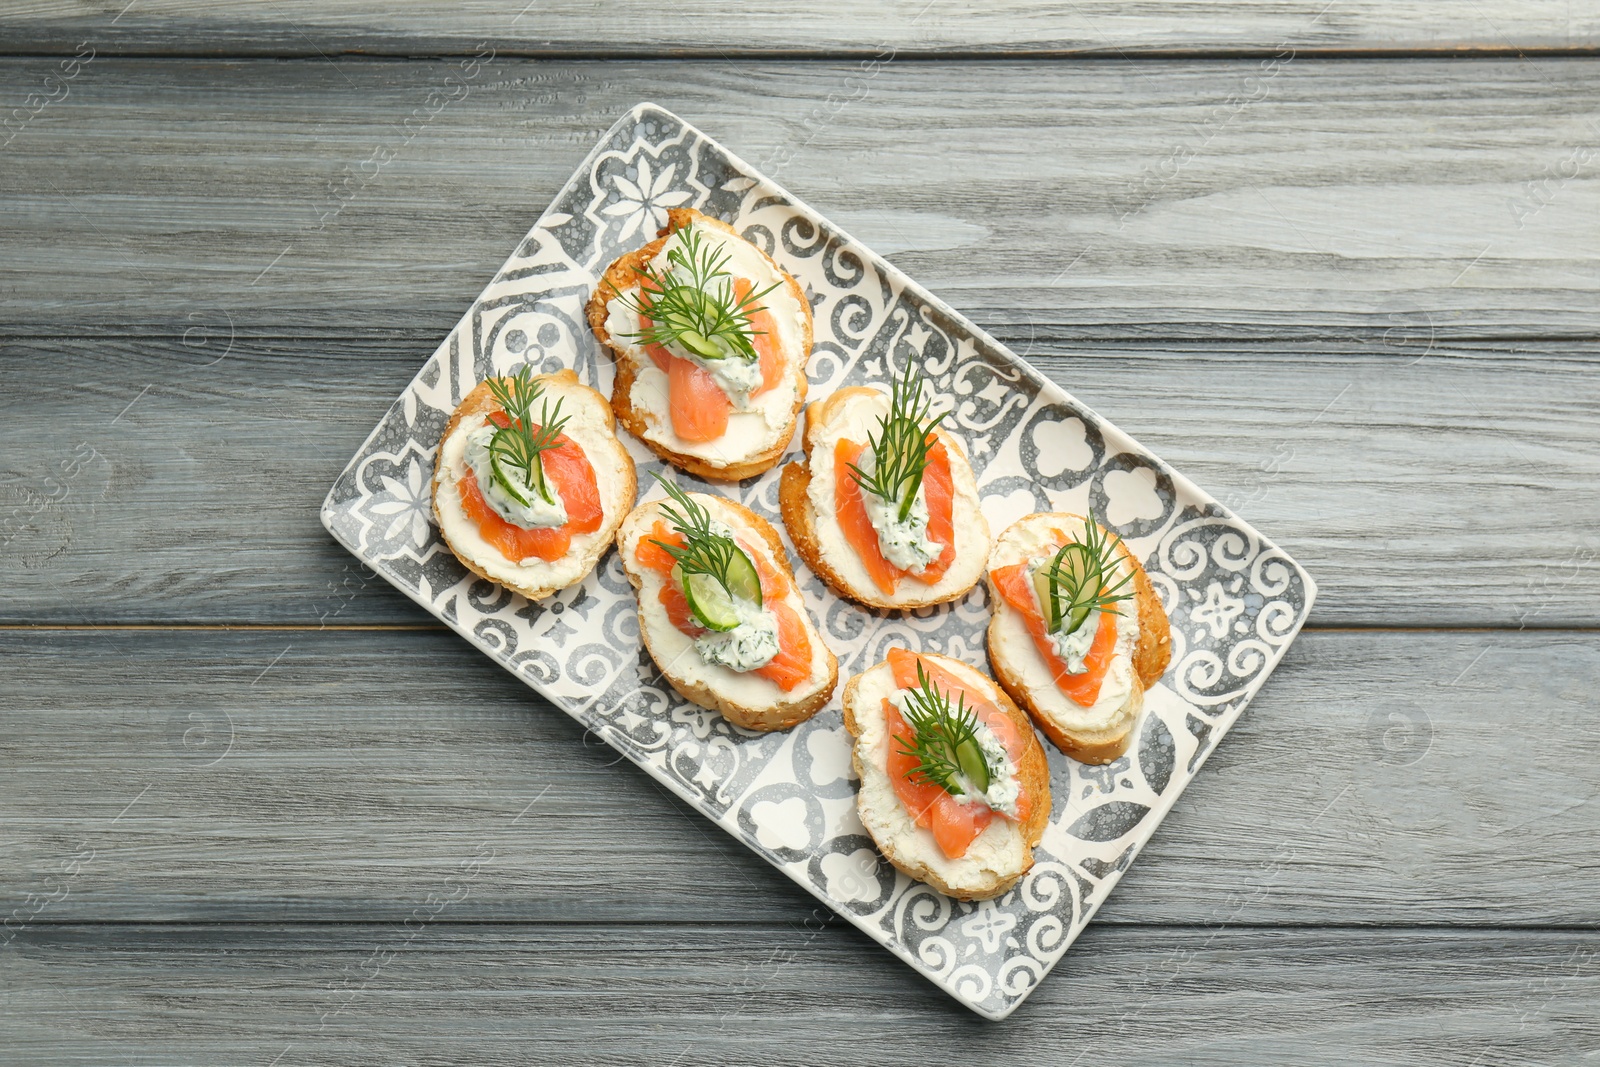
792 665
516 544
853 520
698 407
903 663
1017 589
939 488
569 470
955 825
765 338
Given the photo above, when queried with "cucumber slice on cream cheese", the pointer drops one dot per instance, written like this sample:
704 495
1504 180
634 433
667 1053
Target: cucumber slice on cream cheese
723 604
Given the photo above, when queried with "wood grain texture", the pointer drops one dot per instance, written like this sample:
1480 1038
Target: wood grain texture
1355 299
1205 200
803 994
272 777
1393 467
703 28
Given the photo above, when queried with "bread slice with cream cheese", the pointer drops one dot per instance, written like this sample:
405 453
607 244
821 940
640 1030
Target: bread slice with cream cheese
1093 728
591 425
808 499
748 698
1003 851
761 426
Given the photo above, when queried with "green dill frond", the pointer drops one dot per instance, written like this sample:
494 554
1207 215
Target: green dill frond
704 551
944 739
694 305
529 437
900 449
1079 579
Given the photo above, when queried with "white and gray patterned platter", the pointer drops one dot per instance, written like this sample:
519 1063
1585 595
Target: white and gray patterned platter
1235 599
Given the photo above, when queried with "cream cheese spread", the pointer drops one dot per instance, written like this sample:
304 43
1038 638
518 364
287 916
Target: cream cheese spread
1073 648
747 646
903 542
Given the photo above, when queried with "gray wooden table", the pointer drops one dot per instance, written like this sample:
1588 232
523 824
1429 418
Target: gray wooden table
1338 262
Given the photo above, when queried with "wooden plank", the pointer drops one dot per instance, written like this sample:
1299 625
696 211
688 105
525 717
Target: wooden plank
703 28
1451 199
269 776
1391 467
798 994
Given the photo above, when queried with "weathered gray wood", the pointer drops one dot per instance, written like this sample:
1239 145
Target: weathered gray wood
1404 478
709 29
1380 778
1173 199
796 994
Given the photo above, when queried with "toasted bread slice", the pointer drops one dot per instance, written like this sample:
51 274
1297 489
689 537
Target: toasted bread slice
593 427
806 500
1102 731
746 699
755 439
1002 853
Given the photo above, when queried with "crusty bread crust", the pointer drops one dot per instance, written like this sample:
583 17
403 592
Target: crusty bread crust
481 401
1150 658
783 714
800 518
622 275
1033 772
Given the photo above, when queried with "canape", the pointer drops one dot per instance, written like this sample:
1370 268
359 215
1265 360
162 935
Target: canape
720 613
955 789
884 507
711 338
1078 633
530 482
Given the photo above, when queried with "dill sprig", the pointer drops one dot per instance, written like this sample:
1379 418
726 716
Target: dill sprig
1078 578
944 739
704 551
693 303
900 450
529 437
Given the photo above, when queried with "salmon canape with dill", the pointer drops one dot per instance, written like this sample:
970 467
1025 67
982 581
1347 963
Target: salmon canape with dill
530 482
884 507
1078 634
955 788
720 613
712 338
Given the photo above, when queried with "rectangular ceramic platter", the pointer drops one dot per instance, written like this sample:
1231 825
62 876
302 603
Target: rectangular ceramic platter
1236 601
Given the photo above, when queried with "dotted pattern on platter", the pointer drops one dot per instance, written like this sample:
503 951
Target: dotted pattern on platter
1236 601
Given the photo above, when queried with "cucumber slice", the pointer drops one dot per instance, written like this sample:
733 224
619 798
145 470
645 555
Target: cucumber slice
969 755
743 582
715 604
710 602
1047 603
508 476
700 345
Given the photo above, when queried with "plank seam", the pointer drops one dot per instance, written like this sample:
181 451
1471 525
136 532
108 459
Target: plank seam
1097 54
